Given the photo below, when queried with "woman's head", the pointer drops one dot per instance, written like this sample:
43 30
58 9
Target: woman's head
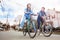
29 6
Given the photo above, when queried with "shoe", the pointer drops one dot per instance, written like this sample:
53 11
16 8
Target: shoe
38 30
20 29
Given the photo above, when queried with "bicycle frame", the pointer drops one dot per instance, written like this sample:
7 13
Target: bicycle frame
30 27
45 24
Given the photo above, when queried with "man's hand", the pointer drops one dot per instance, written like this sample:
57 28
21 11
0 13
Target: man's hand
44 17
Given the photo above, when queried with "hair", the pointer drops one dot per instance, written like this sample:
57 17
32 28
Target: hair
43 7
28 4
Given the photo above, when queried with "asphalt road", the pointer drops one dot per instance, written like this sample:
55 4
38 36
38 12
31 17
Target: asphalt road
15 35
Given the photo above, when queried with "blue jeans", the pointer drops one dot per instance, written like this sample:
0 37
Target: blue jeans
22 22
39 19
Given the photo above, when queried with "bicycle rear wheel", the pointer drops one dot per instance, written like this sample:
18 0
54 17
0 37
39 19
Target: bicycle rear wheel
25 29
32 29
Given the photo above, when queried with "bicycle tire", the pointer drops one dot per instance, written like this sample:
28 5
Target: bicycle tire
51 31
29 31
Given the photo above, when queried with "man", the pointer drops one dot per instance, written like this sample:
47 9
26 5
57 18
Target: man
41 17
27 14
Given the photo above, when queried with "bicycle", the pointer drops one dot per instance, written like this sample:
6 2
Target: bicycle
46 28
30 27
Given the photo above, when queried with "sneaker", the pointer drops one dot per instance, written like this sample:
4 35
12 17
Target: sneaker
38 30
20 29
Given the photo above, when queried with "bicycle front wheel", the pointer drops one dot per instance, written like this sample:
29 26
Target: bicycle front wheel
47 30
32 29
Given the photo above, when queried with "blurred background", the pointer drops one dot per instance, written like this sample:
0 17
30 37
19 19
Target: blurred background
10 9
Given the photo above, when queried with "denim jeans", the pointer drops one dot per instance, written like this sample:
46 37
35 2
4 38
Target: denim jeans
22 21
39 19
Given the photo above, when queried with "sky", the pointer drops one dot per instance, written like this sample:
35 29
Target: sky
13 8
36 3
20 5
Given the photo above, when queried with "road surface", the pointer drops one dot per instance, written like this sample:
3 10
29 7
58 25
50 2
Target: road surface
15 35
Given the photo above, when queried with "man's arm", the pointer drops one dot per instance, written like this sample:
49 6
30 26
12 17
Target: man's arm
44 16
44 13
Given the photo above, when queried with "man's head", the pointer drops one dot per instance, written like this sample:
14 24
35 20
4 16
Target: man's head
29 6
43 9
